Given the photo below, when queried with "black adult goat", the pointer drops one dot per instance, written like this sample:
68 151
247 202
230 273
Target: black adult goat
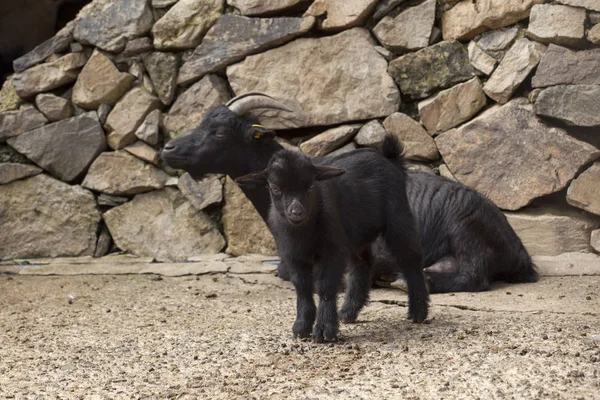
466 241
322 224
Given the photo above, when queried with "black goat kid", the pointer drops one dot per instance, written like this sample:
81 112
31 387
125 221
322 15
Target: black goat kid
322 224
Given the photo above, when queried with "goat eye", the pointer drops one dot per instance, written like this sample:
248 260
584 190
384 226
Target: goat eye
275 190
220 135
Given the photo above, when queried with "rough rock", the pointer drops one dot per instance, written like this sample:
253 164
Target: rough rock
245 230
149 130
480 60
508 155
418 145
10 172
262 7
119 173
469 18
53 107
593 34
163 3
56 44
144 152
344 149
163 69
453 106
437 67
129 113
234 37
202 193
329 140
385 7
14 123
108 24
516 65
163 225
10 155
48 76
561 66
335 15
111 201
584 192
371 134
345 70
184 25
75 47
557 24
103 111
191 106
104 242
409 30
136 47
595 241
594 17
100 82
545 231
43 217
65 148
9 100
445 172
573 104
589 4
496 42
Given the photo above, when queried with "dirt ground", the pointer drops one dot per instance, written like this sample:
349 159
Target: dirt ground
228 336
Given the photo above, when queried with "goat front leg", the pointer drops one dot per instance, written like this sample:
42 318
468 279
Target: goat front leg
328 283
301 277
359 284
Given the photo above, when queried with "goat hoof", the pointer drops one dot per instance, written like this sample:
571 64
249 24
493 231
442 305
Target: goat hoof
348 317
324 334
302 329
418 317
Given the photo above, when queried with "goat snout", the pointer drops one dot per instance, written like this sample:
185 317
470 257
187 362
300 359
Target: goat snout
296 212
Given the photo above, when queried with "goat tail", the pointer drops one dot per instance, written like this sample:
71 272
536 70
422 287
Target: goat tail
392 149
524 270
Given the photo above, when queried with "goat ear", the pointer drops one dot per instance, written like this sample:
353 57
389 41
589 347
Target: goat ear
325 172
253 178
258 131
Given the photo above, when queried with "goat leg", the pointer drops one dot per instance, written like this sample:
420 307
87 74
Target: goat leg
301 277
328 283
357 293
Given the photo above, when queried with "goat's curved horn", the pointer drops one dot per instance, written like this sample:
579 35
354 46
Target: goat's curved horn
247 102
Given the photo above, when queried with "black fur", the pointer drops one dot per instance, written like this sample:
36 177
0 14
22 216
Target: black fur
322 224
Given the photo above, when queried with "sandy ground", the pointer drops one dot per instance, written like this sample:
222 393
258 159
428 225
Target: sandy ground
228 336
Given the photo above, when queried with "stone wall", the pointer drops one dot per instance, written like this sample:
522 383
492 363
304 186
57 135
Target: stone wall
501 95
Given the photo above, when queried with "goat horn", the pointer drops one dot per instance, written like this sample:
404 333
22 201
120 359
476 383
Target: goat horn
247 102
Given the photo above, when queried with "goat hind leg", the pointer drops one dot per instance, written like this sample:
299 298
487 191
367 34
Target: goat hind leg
357 293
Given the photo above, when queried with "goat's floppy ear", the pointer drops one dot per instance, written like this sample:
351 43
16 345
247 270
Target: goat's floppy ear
253 178
324 172
258 131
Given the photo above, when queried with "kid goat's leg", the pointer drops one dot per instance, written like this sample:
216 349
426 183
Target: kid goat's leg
301 277
359 284
329 279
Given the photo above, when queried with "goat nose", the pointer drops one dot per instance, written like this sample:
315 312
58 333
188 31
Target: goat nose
296 209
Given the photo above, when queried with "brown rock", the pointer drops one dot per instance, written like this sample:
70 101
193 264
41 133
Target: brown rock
445 172
202 193
593 34
262 7
9 100
371 134
344 149
557 24
480 60
144 152
496 42
53 107
561 66
136 47
163 69
56 44
508 155
244 229
573 104
418 145
149 130
14 123
595 241
453 106
119 173
329 140
340 14
10 172
589 4
104 242
584 192
100 82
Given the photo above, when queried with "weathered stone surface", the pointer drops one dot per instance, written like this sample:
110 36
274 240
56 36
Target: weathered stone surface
149 130
468 18
136 46
75 47
48 76
108 24
65 148
9 100
557 24
191 106
10 172
573 104
344 149
43 217
345 71
110 200
119 173
103 111
245 230
144 152
329 140
418 145
371 134
496 42
593 5
56 44
545 231
480 60
163 69
595 241
129 113
10 155
437 67
409 30
584 192
53 107
163 3
340 14
594 17
202 193
593 34
104 242
234 37
453 106
561 66
184 25
262 7
511 157
163 225
445 172
100 82
516 65
14 123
